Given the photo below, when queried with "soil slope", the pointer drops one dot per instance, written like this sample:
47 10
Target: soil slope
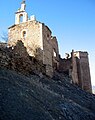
42 98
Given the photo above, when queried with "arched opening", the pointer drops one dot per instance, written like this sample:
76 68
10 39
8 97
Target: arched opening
54 53
24 34
21 18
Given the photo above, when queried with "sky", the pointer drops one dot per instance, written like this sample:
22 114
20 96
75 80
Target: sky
71 21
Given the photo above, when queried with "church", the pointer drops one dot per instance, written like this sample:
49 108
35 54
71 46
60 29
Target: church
37 38
39 42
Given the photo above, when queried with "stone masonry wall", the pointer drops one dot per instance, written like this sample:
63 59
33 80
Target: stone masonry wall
33 38
65 65
37 41
55 53
78 68
84 72
47 50
74 68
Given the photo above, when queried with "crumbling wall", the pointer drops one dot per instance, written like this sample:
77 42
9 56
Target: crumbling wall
78 68
55 53
65 65
47 50
36 39
17 59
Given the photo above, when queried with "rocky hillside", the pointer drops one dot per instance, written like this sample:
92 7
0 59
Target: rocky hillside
41 98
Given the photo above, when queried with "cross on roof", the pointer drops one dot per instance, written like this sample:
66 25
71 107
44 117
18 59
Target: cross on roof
23 1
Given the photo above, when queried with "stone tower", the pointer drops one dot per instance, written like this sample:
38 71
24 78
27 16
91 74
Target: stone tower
83 70
77 67
37 38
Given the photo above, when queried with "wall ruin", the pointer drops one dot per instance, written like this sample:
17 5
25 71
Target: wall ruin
77 67
17 59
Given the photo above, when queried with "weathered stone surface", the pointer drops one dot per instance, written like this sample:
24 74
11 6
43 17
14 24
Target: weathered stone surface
55 53
83 70
77 66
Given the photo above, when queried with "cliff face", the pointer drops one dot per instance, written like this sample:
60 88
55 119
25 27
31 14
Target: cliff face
42 98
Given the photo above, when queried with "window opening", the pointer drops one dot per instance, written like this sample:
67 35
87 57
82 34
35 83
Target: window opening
54 53
24 34
21 18
47 36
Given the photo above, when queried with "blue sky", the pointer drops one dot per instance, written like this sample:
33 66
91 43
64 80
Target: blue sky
71 21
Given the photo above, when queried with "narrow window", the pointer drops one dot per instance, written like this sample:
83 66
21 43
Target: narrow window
47 36
24 34
54 53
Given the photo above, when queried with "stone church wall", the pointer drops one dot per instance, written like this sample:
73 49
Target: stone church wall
37 41
47 50
33 38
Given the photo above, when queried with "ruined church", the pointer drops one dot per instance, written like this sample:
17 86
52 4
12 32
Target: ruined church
39 42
